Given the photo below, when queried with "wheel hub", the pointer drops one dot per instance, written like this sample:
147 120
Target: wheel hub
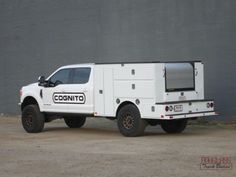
128 122
29 120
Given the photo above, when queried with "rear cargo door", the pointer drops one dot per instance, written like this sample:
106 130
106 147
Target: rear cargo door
179 77
180 82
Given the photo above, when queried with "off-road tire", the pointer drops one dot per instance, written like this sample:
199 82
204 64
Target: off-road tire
32 119
174 126
75 122
129 121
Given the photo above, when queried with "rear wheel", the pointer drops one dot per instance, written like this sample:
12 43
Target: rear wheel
32 119
129 121
75 122
174 126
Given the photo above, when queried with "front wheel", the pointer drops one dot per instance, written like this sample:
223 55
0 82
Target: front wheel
129 121
174 126
75 122
32 119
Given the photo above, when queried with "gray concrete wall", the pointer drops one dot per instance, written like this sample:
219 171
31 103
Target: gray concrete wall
37 36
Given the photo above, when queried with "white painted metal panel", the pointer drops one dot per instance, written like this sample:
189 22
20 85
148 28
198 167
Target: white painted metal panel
87 91
134 89
98 91
160 82
199 79
177 96
135 72
108 92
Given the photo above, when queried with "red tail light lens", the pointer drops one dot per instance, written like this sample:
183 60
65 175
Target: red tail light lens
167 108
212 105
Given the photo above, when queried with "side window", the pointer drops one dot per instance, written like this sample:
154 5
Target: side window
61 76
81 75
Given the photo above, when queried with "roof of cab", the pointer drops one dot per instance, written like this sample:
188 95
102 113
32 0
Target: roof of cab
78 65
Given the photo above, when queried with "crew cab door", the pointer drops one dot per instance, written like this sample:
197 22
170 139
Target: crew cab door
70 91
82 86
57 83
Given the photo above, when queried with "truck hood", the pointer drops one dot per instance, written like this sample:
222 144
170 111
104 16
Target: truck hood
33 85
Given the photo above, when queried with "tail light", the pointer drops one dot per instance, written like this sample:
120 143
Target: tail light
210 105
167 108
20 93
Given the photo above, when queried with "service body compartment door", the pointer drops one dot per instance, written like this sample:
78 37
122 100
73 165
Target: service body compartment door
103 91
98 91
108 92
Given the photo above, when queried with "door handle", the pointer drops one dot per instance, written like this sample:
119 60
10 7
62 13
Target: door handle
85 90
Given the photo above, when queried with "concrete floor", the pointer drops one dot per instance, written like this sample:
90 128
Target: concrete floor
99 150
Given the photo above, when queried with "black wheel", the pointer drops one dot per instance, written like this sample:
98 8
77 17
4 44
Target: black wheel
32 119
75 122
174 126
129 121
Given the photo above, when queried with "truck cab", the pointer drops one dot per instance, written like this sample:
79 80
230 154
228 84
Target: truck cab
69 89
136 94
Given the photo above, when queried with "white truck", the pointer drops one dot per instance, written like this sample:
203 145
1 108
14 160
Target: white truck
136 94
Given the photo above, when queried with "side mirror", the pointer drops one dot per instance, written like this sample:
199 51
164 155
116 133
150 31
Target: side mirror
41 80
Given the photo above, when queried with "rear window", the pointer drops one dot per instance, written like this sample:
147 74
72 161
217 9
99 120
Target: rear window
179 76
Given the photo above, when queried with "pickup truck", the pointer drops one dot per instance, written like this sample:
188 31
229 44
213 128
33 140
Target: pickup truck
136 94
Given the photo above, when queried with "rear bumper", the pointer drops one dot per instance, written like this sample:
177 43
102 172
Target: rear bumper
186 109
189 115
